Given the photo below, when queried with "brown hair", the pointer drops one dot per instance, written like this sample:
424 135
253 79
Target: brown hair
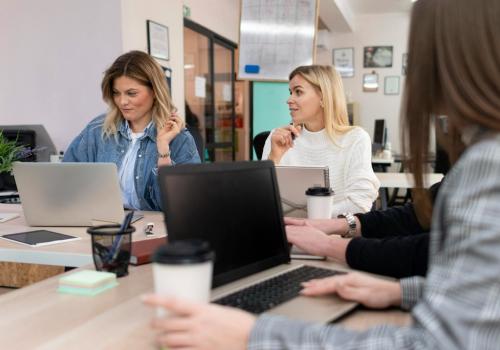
143 68
453 69
328 84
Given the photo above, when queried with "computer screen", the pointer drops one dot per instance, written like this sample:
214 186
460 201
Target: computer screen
379 135
43 143
235 207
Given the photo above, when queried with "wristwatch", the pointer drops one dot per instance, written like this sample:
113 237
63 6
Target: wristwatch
164 155
351 222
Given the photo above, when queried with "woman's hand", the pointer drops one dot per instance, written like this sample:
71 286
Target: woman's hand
170 130
282 141
370 291
316 242
193 325
328 226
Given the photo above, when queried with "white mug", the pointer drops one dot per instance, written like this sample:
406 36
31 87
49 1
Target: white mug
183 269
319 202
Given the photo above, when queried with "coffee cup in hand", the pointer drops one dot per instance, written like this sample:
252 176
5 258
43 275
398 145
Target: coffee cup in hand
319 202
183 269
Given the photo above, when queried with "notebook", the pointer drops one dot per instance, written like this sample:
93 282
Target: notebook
39 238
293 182
68 194
236 207
143 250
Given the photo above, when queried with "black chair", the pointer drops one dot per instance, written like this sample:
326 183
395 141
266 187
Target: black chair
258 143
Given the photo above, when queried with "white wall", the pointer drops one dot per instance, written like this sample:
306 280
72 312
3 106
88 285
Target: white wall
169 13
374 30
53 56
220 16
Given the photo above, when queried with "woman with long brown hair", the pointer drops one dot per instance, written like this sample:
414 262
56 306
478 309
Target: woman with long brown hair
453 70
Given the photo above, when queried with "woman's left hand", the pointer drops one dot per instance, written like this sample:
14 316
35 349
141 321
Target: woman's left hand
170 130
192 325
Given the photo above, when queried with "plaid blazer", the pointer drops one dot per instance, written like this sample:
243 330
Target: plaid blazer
458 305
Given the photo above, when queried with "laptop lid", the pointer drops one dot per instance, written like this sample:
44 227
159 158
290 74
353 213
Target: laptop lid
68 194
235 207
295 180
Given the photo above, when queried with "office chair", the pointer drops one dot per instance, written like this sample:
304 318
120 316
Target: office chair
258 143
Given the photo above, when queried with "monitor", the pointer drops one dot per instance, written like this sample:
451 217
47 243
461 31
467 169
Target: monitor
43 143
379 135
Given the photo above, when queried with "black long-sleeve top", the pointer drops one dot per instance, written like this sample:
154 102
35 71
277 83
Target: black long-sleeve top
393 243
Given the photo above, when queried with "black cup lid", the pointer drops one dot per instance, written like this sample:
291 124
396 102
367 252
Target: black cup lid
319 191
188 251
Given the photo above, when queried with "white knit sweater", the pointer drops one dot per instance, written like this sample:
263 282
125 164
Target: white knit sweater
351 174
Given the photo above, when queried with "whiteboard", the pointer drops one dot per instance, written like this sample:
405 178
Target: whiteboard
276 36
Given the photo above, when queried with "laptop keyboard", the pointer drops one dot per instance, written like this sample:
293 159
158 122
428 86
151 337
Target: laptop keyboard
274 291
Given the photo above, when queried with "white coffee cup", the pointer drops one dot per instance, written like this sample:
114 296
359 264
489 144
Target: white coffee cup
319 202
183 269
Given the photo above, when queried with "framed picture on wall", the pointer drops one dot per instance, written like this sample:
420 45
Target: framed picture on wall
370 82
343 60
391 85
377 57
404 64
158 45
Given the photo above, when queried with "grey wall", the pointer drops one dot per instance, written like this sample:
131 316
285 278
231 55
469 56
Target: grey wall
52 55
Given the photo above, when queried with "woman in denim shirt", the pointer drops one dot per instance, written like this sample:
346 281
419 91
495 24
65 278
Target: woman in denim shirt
140 131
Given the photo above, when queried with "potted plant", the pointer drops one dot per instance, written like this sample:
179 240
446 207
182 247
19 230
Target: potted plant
10 151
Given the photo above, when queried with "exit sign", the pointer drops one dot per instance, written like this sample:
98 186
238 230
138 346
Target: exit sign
186 10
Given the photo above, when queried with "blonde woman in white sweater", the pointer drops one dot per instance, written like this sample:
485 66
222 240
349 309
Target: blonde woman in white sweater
320 135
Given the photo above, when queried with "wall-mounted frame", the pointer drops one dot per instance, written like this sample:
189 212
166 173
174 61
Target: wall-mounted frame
391 85
158 42
343 60
370 82
404 64
377 57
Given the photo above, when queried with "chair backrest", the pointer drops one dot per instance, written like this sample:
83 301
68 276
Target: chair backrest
258 143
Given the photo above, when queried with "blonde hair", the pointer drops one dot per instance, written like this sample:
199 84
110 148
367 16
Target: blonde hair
328 84
143 68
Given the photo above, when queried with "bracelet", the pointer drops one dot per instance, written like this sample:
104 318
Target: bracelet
164 155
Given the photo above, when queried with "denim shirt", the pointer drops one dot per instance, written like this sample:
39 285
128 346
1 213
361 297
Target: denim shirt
92 146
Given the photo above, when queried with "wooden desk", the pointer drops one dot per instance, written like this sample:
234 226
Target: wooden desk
39 317
75 253
21 264
402 180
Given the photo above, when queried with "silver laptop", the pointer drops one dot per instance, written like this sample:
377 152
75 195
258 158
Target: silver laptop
293 182
236 208
69 194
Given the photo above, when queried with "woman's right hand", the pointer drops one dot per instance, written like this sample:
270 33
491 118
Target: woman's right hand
282 141
370 291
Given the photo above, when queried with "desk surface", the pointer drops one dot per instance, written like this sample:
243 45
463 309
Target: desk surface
39 317
405 180
75 253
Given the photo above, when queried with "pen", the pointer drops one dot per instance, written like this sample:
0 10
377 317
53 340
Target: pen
115 248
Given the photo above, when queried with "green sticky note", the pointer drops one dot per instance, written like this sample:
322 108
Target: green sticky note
87 279
86 291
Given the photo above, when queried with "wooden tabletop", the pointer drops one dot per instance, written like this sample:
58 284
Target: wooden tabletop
74 253
405 180
39 317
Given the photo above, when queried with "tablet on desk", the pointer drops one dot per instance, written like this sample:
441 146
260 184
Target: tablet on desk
39 238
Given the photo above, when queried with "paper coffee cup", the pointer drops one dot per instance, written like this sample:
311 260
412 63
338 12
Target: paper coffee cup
183 269
319 202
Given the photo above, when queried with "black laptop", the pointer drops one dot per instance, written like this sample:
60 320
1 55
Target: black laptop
236 207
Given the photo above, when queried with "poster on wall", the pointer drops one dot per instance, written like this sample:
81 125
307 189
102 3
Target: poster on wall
157 40
370 82
377 57
343 60
391 85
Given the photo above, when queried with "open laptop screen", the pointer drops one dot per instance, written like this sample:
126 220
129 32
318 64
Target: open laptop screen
235 207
